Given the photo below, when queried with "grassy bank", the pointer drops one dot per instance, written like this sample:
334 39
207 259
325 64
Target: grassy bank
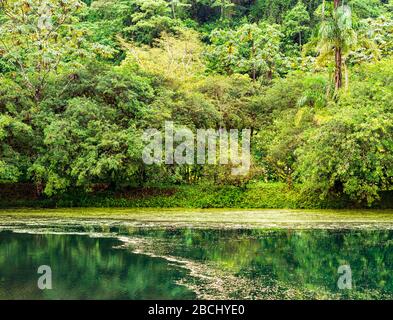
261 195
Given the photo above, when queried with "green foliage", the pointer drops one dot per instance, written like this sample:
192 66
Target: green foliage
260 195
271 10
149 18
337 29
251 49
296 23
36 38
351 154
379 33
105 19
84 145
366 8
81 80
14 145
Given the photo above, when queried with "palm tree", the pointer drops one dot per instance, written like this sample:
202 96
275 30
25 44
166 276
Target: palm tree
337 36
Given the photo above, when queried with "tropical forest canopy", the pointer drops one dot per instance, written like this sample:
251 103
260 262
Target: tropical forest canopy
312 79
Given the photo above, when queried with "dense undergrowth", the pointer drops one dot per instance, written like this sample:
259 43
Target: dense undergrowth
261 195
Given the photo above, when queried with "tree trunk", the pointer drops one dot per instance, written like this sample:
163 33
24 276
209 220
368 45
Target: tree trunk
38 95
346 76
338 76
253 52
39 189
173 10
222 12
270 75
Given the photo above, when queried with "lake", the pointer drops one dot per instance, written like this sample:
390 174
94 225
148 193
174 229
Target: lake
199 254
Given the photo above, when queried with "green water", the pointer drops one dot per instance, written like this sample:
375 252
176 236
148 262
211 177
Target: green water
83 268
117 261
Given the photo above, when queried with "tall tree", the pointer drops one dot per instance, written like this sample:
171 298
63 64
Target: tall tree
36 36
149 19
338 76
224 5
336 36
296 22
175 5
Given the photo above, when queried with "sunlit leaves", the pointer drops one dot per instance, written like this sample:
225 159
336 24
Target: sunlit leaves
253 49
37 41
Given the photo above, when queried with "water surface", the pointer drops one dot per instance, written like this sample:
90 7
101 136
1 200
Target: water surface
83 268
118 259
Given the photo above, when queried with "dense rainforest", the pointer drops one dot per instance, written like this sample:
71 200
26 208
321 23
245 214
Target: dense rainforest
313 79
